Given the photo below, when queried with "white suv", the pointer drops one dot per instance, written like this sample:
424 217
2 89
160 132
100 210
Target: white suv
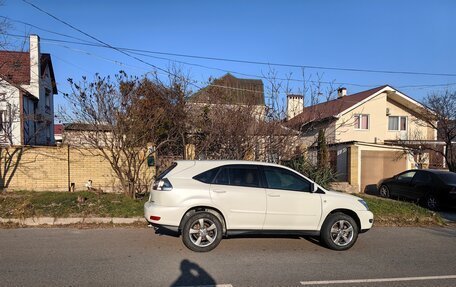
206 200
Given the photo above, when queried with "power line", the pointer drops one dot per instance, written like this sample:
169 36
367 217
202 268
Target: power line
54 41
46 30
102 42
244 61
57 41
277 64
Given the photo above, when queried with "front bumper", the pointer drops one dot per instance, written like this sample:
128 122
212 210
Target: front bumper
366 218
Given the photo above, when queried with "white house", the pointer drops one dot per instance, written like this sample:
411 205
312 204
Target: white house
27 87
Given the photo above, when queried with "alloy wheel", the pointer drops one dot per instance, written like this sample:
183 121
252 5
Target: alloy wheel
203 232
342 233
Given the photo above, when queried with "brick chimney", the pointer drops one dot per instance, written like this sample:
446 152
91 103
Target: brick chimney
341 92
35 66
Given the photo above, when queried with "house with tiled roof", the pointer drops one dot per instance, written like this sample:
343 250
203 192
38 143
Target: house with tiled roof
27 87
229 90
361 130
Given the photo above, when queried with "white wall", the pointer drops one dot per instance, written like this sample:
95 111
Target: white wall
11 117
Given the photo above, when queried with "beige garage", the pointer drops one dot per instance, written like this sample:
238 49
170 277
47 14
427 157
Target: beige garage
377 164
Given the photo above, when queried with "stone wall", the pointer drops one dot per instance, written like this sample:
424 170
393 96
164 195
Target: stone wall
58 169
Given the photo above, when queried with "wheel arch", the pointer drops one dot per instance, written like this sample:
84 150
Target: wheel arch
203 208
348 212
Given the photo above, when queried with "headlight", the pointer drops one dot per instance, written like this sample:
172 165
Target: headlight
363 203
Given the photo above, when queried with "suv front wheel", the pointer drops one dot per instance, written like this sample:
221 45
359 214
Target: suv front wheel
202 232
339 231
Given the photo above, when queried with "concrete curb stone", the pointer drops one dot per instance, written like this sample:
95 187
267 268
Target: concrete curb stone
37 221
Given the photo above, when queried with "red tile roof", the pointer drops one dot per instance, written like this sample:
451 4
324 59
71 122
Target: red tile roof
58 129
330 108
15 67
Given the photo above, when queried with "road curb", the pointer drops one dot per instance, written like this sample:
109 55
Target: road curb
37 221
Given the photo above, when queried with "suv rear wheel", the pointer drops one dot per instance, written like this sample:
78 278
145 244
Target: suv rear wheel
202 232
339 231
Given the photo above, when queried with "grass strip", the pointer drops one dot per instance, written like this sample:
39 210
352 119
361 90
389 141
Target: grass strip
389 212
23 204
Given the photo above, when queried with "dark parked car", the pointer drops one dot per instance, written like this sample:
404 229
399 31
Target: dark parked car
432 188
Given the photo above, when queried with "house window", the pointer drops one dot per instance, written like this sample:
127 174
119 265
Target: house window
396 123
47 99
361 122
2 97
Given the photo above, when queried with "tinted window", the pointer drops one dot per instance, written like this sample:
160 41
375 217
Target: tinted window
238 176
207 176
279 178
222 177
448 178
422 177
407 176
244 176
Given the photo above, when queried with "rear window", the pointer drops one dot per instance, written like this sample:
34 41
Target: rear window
166 171
207 176
448 178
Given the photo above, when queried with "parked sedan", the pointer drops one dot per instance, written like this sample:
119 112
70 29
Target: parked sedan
207 200
432 188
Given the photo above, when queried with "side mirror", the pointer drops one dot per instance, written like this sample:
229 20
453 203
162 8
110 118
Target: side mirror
313 187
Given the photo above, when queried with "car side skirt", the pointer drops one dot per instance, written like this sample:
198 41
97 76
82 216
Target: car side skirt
235 232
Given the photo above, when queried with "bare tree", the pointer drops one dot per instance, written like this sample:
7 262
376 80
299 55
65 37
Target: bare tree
440 116
125 116
4 27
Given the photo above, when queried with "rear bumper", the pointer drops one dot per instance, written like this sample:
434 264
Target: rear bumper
163 215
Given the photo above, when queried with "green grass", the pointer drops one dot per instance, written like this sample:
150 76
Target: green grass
24 204
390 212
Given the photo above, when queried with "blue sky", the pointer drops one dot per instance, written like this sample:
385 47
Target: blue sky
416 36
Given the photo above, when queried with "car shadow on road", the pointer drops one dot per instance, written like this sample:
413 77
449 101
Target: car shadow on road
193 275
313 239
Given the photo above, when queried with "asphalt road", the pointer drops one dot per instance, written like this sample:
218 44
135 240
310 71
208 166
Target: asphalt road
139 257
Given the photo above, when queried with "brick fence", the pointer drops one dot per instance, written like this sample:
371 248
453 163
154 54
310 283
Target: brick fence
58 169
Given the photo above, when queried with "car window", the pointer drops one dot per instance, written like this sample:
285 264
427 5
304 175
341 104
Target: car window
448 177
279 178
238 175
407 176
244 176
222 176
422 177
207 176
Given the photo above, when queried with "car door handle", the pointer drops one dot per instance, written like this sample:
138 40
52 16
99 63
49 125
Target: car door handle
219 191
273 195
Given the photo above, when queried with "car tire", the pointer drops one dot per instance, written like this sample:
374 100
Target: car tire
202 232
339 231
384 191
431 202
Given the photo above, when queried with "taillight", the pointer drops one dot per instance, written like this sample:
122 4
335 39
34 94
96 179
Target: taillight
162 184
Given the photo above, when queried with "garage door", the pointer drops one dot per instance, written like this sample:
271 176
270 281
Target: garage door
376 165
